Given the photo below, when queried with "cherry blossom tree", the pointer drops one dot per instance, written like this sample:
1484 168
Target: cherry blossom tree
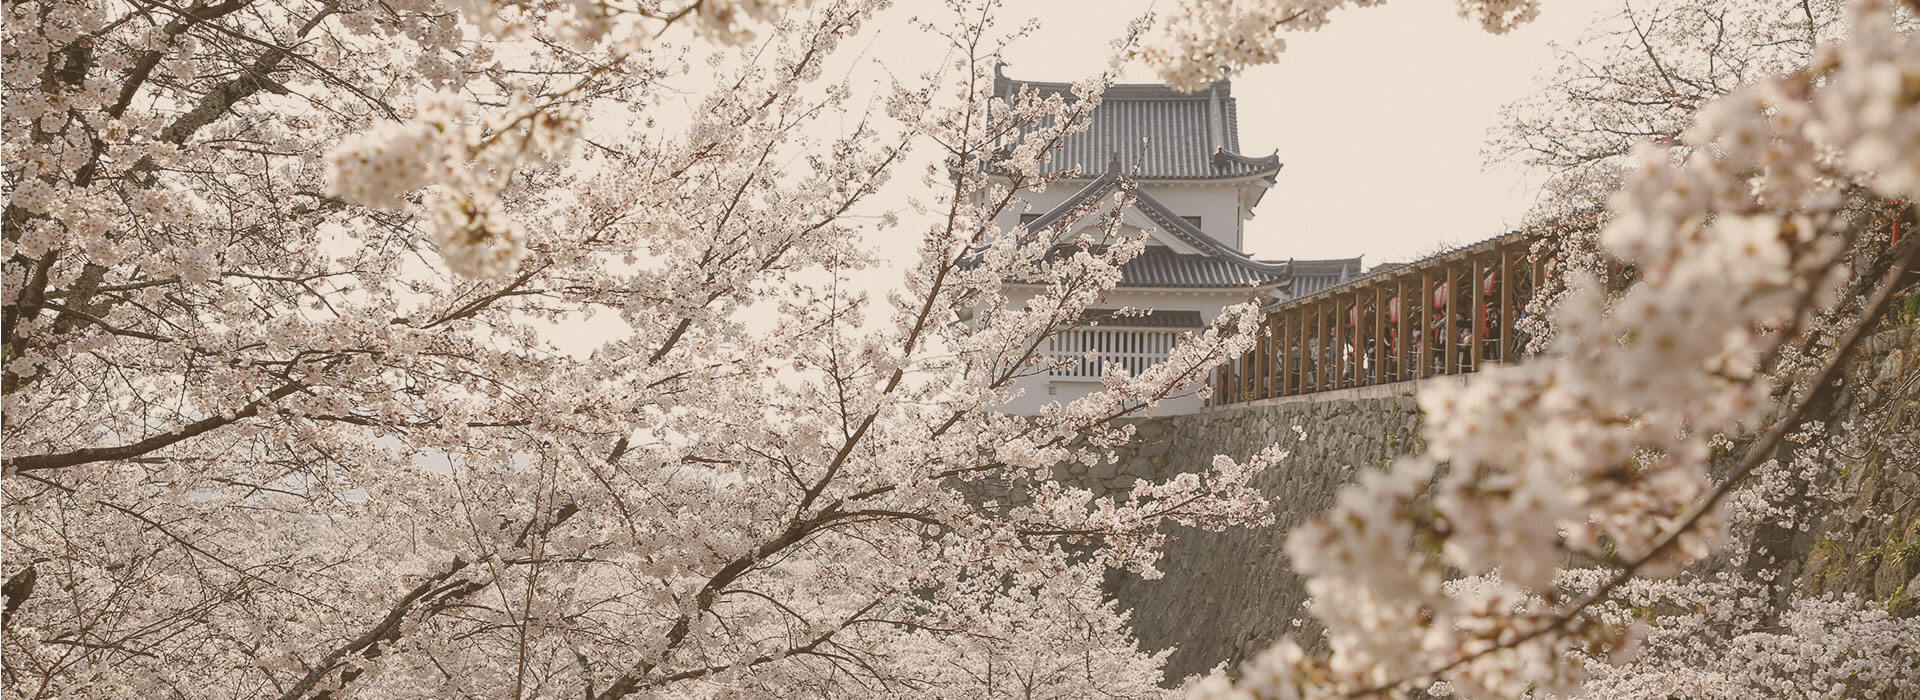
1445 571
285 415
1640 74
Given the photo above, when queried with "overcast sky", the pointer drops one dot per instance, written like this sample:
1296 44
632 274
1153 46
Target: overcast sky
1379 118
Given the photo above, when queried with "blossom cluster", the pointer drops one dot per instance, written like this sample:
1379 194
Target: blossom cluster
634 26
466 161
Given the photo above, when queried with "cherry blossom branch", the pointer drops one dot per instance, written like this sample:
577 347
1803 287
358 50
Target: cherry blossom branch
1759 453
386 628
797 650
90 455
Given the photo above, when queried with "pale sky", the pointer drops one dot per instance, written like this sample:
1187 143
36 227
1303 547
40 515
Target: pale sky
1379 117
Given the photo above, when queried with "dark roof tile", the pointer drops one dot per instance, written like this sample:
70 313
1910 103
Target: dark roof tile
1160 267
1164 134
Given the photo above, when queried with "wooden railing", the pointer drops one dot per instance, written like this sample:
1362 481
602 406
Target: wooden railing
1455 313
1090 351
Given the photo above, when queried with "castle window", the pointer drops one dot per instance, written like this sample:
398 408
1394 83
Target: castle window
1028 218
1195 220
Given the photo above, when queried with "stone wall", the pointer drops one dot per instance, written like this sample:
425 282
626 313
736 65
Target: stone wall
1868 542
1227 595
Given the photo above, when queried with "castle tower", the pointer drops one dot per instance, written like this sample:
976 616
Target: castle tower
1195 191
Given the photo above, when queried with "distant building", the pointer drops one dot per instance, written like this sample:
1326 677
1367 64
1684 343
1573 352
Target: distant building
1195 192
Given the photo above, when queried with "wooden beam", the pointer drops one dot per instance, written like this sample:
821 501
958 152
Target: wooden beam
1296 329
1282 341
1426 325
1451 355
1267 343
1249 376
1305 360
1379 334
1320 346
1507 314
1363 300
1343 360
1401 353
1477 351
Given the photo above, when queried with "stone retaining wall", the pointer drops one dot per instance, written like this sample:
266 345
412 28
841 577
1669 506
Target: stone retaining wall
1228 595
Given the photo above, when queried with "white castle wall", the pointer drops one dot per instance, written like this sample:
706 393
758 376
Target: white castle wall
1038 391
1218 206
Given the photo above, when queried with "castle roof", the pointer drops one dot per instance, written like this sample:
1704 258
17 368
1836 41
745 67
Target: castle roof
1217 265
1158 133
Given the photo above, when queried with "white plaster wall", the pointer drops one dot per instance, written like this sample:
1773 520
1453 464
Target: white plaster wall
1038 391
1038 203
1218 207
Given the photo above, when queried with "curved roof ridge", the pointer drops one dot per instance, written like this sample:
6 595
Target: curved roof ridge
1096 188
1114 90
1327 262
1222 157
1186 231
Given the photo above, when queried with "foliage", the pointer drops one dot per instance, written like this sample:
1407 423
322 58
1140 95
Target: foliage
1741 231
284 416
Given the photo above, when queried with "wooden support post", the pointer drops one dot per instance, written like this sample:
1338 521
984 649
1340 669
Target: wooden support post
1330 307
1363 336
1451 355
1232 393
1480 335
1402 352
1267 361
1309 362
1507 314
1425 303
1359 337
1288 363
1301 362
1320 347
1310 382
1343 360
1258 358
1247 377
1282 365
1379 334
1297 353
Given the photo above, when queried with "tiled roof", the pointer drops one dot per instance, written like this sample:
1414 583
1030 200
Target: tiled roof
1159 267
1167 135
1311 276
1218 265
1111 318
1314 276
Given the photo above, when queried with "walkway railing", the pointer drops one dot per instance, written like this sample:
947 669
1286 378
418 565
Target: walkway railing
1090 351
1449 314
